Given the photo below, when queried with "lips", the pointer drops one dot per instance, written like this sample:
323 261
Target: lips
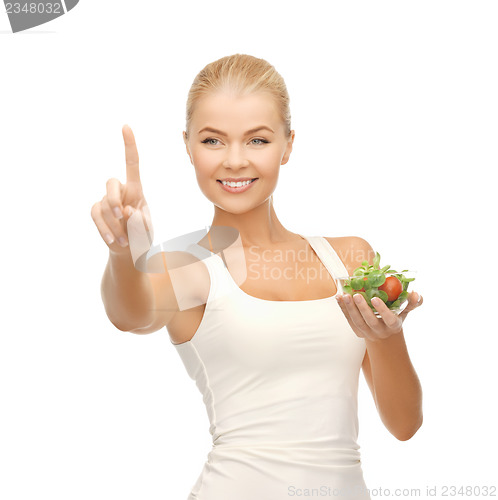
240 179
238 189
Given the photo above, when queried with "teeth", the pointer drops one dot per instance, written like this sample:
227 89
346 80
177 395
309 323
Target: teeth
236 184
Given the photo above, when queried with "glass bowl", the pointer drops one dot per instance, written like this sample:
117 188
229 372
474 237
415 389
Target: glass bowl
385 285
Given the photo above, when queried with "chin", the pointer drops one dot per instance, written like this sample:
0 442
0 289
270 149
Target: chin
235 209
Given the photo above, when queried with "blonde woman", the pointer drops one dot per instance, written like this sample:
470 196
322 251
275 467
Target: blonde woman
254 310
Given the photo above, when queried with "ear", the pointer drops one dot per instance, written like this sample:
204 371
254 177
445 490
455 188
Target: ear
185 140
288 148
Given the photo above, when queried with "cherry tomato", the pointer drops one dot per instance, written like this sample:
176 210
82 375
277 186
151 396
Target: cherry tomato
393 287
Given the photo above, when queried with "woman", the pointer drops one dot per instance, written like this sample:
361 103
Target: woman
277 359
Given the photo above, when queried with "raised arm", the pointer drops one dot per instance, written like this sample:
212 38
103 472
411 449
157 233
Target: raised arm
134 300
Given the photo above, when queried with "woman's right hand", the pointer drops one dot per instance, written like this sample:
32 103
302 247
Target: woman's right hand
111 214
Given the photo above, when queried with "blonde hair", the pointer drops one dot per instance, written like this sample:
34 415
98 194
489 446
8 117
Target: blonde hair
240 74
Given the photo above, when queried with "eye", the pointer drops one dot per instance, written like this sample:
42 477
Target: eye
209 139
206 141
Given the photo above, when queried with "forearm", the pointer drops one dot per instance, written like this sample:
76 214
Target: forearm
127 293
398 393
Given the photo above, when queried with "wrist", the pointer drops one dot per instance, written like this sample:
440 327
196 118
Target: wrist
393 339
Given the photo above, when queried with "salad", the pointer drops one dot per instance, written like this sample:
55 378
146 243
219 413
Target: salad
385 283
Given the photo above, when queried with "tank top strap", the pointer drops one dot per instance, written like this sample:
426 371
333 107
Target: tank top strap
329 258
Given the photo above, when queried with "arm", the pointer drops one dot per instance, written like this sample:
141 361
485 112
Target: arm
396 387
387 367
126 293
135 301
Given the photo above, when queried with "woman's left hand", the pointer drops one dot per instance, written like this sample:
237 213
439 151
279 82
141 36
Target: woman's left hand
366 324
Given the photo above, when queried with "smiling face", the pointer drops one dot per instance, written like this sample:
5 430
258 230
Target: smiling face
223 143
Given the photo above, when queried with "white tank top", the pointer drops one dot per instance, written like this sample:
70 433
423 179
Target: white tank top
279 380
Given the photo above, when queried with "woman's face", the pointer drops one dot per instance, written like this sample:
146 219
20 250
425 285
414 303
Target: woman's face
223 144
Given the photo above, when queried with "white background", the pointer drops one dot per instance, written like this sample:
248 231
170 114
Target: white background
395 108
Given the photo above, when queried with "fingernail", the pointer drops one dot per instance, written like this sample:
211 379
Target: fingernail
117 212
109 238
357 298
122 241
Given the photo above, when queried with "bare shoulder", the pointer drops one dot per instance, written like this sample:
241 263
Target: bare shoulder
352 250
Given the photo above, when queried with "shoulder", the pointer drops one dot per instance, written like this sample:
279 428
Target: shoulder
352 250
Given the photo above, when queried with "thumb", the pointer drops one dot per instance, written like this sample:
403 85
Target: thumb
128 212
415 300
144 212
140 236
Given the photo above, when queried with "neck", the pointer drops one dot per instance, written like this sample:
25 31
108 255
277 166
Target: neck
258 227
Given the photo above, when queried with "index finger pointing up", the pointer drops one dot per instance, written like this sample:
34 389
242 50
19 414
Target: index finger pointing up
131 155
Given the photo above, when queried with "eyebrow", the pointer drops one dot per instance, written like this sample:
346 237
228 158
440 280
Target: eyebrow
252 131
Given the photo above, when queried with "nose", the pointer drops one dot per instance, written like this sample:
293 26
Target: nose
235 157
